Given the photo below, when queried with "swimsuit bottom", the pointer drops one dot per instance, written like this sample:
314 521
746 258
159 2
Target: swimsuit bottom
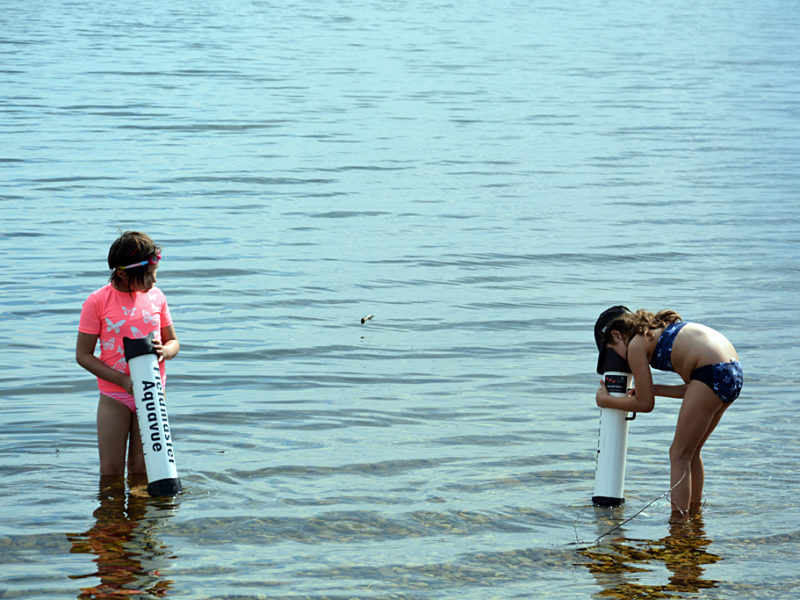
725 379
124 398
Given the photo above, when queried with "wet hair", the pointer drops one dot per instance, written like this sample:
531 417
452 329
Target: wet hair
643 322
130 247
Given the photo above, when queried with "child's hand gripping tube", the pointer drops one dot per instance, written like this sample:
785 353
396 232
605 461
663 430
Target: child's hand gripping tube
151 411
612 445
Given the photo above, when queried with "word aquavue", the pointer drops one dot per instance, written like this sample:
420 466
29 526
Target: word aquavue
155 407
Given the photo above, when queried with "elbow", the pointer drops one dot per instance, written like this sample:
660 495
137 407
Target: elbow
80 359
646 406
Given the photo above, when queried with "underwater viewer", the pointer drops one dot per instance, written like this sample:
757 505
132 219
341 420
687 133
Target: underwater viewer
128 306
706 361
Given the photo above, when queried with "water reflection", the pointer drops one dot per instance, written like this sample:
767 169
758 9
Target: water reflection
128 554
617 565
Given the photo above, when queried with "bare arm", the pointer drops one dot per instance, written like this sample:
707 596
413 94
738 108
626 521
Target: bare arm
643 397
84 355
670 391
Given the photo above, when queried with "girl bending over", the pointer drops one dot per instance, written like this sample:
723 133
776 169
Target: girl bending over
709 366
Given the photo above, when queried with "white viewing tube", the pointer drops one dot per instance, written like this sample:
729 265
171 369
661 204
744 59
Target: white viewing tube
612 445
151 412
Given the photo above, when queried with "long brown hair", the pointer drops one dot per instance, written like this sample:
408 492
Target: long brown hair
130 247
643 322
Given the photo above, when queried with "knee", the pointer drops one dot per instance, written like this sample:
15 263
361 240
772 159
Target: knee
112 461
680 453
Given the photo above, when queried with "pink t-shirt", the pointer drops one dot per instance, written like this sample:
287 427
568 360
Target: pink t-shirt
112 315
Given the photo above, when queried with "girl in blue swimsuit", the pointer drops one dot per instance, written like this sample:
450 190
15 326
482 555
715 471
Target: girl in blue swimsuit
708 364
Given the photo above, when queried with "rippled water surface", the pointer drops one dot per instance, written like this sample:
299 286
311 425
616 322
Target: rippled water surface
484 179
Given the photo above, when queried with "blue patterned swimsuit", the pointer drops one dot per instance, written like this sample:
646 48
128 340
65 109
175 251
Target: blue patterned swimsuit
725 379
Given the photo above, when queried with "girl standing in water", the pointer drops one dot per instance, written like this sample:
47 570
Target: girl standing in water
709 366
128 306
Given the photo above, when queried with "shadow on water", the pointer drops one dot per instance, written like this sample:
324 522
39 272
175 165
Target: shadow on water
621 565
124 540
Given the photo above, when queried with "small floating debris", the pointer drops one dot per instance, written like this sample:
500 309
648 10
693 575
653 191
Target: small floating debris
366 318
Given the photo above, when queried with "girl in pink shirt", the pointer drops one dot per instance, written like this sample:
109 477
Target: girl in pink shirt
128 306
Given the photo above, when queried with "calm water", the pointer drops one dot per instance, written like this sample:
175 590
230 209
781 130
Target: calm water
484 179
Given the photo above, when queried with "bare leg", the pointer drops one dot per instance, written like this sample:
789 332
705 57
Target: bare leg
698 472
698 480
113 427
135 454
700 412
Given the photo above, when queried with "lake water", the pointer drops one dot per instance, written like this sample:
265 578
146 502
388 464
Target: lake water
483 178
